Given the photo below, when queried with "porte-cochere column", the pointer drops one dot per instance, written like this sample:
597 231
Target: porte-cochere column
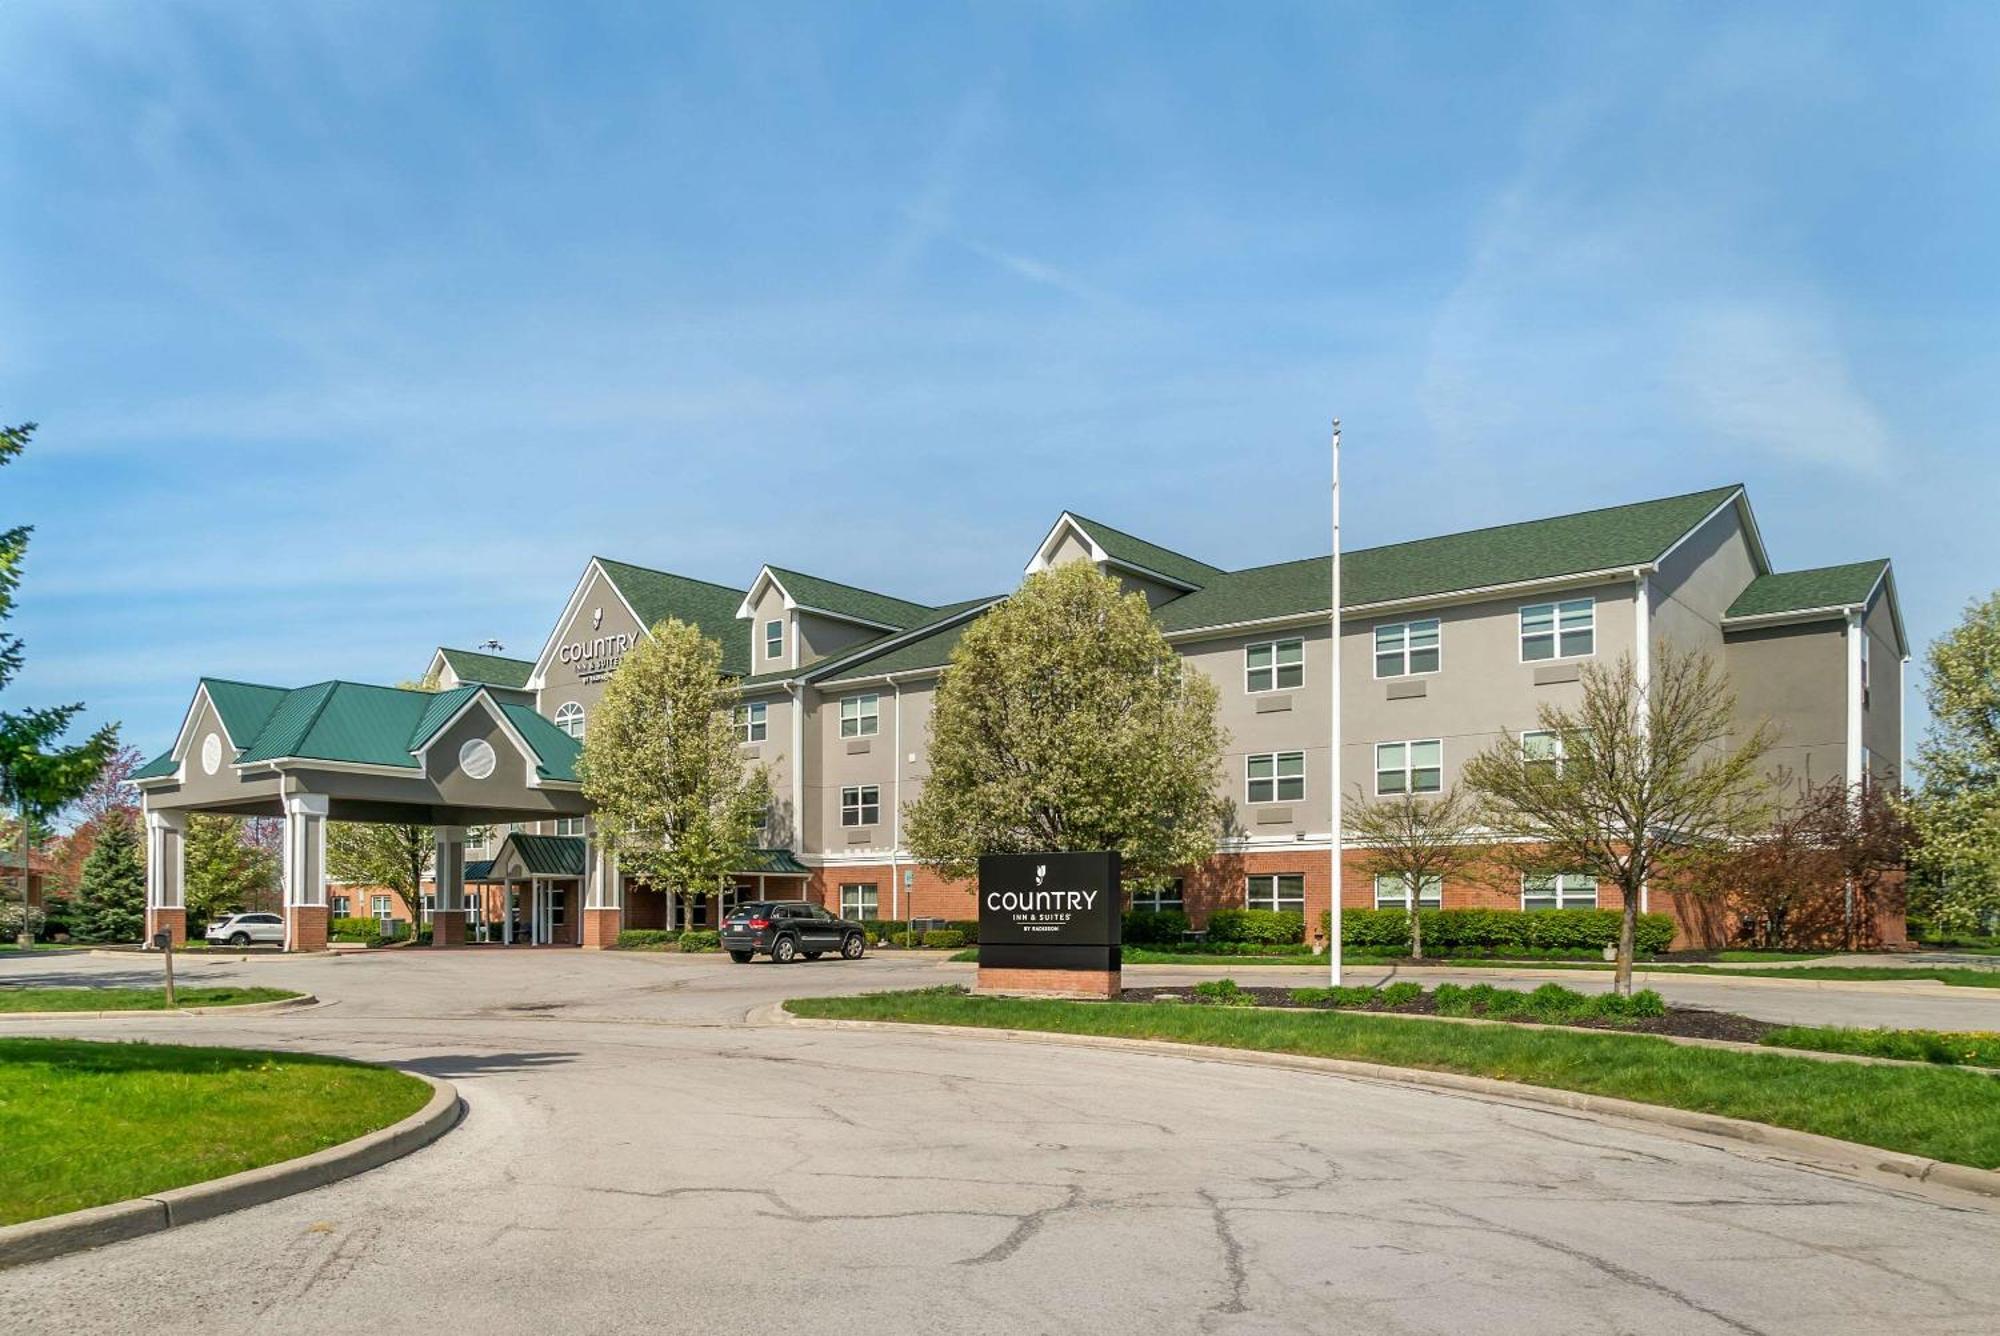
304 864
604 903
166 878
448 876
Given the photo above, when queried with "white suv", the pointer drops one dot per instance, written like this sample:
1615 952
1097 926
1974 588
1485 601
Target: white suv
243 929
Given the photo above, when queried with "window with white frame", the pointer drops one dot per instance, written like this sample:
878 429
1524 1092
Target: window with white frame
380 904
1165 895
1276 777
1406 648
1559 890
860 805
1275 665
860 716
340 906
1394 893
569 825
1862 631
569 718
1564 630
859 900
774 640
430 902
1283 890
753 721
1409 767
1542 748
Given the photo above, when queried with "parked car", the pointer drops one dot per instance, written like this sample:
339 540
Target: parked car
784 930
243 929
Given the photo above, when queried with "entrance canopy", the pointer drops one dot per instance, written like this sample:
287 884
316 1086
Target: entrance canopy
347 751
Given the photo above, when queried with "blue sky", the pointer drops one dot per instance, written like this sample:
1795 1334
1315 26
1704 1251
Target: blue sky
356 329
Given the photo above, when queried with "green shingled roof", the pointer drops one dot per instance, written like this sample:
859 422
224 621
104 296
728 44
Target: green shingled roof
1135 551
1800 591
810 591
896 652
929 651
546 855
657 595
1593 540
492 669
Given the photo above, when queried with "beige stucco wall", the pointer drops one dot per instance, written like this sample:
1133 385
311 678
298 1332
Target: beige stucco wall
563 682
1795 676
1696 584
1882 714
820 637
769 607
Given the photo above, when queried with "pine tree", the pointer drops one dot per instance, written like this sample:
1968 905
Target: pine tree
111 905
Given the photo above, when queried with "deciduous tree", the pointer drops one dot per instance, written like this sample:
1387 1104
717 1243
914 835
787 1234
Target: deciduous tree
224 871
1956 809
1645 781
397 858
1417 840
1066 722
663 765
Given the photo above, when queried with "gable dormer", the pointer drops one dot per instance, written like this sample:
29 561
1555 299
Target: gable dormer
794 619
1159 573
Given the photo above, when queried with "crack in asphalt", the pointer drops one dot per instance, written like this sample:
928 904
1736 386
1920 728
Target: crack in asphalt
1232 1258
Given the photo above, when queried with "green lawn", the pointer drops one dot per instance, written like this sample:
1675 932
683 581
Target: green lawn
1968 1049
1955 977
90 1123
131 999
1937 1112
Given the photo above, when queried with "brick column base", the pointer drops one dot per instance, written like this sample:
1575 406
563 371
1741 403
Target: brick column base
448 929
1060 983
174 921
601 928
308 927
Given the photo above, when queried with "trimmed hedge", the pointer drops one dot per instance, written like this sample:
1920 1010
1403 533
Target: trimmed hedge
947 938
1449 930
1148 927
701 940
1270 927
646 939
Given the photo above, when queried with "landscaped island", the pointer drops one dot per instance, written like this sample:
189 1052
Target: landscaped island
14 999
92 1123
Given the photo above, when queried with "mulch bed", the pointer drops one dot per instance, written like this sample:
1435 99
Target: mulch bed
1679 1022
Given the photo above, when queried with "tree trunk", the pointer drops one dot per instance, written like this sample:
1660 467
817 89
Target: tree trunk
1416 931
26 938
1628 935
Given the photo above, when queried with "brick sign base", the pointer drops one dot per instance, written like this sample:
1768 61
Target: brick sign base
1055 983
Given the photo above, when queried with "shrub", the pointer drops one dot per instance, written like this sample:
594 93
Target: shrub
701 940
646 939
1361 996
1223 993
947 938
1233 949
906 940
1269 926
351 929
1501 931
1147 927
1551 1004
970 927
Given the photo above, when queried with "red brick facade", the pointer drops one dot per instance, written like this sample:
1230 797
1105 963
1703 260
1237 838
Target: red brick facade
600 928
167 920
308 927
1070 983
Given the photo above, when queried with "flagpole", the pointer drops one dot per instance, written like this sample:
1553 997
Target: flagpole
1333 755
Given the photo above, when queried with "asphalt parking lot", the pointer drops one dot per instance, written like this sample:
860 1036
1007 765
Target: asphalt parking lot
638 1156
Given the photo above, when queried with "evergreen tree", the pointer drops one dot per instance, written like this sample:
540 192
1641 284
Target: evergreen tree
111 906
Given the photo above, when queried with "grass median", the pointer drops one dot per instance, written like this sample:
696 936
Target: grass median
1940 1113
91 1123
132 999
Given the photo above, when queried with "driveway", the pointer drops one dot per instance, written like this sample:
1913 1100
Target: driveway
635 1157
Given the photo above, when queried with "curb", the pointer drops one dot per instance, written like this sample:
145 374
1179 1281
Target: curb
1846 1156
36 1240
179 1013
1921 987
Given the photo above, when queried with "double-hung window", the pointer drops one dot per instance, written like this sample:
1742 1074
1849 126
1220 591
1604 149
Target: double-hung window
1285 891
1168 895
1542 748
860 716
569 825
1275 665
1394 893
1559 890
752 721
1276 777
380 905
859 900
774 640
341 906
1404 648
1409 767
860 805
1565 630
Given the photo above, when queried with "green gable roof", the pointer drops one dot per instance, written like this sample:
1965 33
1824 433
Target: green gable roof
844 600
658 595
245 707
1136 551
158 768
1592 540
903 651
546 855
1802 591
927 651
472 666
776 862
558 750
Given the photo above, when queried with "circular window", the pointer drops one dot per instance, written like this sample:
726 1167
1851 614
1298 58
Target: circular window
211 754
476 759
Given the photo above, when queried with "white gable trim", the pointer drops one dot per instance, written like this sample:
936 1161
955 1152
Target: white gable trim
482 698
748 608
539 677
1068 523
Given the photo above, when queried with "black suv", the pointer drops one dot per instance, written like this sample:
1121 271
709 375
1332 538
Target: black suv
787 929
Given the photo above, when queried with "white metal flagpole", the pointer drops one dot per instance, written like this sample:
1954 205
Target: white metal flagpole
1333 755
